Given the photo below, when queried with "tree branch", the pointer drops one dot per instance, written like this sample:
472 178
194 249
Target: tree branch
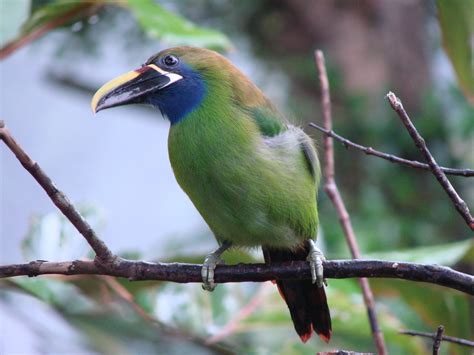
390 157
104 255
454 340
458 202
332 191
297 270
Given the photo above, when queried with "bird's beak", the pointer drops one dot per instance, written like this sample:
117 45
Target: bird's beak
132 86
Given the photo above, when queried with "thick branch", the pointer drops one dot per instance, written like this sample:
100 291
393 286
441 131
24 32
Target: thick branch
332 191
459 341
103 253
458 202
297 270
390 157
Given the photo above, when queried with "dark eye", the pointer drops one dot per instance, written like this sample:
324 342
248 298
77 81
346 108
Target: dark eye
170 60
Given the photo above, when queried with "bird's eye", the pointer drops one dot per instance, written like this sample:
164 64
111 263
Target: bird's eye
170 60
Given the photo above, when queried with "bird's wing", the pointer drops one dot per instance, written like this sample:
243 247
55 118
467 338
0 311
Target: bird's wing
272 124
309 150
269 122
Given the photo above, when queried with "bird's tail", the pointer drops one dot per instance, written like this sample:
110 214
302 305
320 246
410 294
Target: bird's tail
306 301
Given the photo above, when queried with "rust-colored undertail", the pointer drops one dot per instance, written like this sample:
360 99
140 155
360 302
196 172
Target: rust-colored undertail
306 301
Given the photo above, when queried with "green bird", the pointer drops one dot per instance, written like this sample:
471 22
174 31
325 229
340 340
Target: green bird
252 176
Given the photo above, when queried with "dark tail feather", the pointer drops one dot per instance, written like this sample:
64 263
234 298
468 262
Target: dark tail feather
306 301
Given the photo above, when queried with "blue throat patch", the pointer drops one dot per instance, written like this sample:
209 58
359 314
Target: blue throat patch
182 97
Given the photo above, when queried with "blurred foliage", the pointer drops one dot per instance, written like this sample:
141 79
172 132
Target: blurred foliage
458 39
398 213
13 13
111 315
53 237
173 29
104 321
154 20
444 254
53 14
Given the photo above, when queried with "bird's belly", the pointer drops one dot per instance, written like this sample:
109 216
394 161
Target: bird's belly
245 198
241 207
236 213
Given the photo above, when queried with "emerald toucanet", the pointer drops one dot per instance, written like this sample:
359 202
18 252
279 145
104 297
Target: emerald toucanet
252 176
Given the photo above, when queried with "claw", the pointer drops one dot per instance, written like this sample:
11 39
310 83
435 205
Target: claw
207 272
209 265
315 259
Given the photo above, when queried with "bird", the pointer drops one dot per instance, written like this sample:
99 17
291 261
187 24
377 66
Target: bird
251 174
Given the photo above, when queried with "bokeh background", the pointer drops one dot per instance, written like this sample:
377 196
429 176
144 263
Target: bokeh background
115 167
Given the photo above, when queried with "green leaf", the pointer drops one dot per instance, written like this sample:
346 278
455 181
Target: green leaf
444 254
456 19
156 21
173 29
53 15
13 13
47 18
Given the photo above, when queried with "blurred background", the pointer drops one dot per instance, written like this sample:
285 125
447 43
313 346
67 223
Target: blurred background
115 167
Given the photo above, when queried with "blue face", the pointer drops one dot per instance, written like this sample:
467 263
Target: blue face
179 99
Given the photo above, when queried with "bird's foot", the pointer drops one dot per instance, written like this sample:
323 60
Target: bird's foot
209 265
315 259
207 272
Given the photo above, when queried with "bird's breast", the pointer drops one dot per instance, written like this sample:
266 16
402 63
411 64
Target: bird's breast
246 195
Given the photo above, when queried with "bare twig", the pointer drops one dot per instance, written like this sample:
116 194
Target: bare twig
390 157
454 340
104 255
332 190
458 202
437 340
297 270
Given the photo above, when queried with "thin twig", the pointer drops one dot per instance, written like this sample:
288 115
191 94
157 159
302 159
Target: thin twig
296 270
104 255
333 192
390 157
449 339
437 340
458 202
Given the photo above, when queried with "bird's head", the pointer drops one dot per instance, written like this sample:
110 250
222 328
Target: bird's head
177 80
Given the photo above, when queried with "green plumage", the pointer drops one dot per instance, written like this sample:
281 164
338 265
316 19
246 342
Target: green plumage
252 177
